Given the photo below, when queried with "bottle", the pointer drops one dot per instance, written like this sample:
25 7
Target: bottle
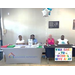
40 43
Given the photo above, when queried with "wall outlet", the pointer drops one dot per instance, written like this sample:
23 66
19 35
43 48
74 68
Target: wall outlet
4 31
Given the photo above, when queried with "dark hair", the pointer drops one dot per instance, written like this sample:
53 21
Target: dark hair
33 36
20 36
62 35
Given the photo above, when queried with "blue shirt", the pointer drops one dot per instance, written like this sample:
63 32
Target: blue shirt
35 41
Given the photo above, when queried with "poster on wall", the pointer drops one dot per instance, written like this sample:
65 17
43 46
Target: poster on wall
53 24
74 24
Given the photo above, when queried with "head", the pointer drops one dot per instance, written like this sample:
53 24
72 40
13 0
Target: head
50 36
32 36
62 37
20 37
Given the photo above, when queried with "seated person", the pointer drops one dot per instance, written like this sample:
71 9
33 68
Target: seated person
20 41
33 38
62 40
50 40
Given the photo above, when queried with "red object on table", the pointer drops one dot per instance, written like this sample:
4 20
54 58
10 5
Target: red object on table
5 46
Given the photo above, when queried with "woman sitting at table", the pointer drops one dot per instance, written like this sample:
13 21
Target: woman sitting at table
20 41
62 40
32 38
50 40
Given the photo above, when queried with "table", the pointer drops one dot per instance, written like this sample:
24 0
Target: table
73 54
1 54
50 50
23 55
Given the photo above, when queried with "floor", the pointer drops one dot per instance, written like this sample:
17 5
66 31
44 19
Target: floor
44 62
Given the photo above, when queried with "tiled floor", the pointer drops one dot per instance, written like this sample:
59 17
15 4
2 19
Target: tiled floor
43 63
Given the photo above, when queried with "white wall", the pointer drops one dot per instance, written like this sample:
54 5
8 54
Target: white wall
31 21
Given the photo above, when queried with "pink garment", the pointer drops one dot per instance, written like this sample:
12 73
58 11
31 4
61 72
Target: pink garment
50 41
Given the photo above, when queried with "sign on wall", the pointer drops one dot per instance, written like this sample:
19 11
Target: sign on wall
63 54
53 24
74 24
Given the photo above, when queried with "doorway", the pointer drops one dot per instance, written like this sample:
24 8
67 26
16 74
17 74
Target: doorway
0 30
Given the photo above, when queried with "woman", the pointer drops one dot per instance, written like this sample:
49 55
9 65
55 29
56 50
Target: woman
62 40
33 38
50 40
20 41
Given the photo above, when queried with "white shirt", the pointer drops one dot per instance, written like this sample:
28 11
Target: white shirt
62 41
18 41
30 42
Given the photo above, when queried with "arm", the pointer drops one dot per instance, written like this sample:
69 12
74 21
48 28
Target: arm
57 42
46 41
35 41
27 43
20 43
54 41
17 42
68 42
23 43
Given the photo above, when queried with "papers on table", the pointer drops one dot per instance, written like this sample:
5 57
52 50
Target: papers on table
32 46
26 46
19 46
